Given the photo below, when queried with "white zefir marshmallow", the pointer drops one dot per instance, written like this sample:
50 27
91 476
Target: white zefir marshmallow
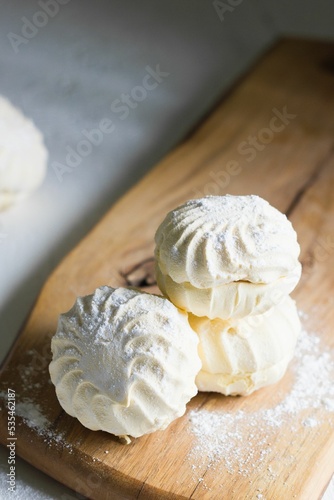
124 361
241 356
226 256
23 155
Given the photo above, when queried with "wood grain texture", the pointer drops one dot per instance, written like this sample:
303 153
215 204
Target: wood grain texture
293 168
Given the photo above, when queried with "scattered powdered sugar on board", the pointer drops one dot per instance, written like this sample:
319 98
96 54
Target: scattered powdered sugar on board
31 414
33 417
241 440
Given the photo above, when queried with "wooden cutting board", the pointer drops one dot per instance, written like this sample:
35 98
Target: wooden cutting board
272 135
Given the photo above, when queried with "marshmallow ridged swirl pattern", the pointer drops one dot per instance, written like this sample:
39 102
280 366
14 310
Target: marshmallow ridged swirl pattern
116 361
241 356
226 256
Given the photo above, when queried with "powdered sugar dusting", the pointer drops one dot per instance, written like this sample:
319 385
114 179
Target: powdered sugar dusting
31 414
242 440
34 417
226 238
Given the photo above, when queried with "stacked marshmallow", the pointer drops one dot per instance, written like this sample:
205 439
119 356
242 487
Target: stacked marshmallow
128 362
231 262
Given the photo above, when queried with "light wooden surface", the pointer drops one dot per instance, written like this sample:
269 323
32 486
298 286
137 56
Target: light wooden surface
295 172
